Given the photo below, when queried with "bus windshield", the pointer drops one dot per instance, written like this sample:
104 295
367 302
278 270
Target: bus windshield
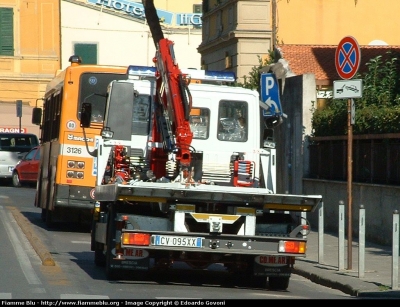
93 89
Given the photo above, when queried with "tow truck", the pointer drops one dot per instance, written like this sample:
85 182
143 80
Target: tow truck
186 176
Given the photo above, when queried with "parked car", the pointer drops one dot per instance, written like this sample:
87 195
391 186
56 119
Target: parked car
26 170
13 147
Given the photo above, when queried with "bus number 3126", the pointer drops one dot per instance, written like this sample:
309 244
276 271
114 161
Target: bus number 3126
74 150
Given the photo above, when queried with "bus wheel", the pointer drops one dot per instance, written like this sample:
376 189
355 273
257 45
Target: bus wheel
43 215
49 218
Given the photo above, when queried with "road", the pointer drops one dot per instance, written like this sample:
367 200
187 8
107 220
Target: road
74 275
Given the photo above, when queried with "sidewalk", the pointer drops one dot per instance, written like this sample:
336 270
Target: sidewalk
377 279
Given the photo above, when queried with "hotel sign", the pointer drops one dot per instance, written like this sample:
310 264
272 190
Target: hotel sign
136 9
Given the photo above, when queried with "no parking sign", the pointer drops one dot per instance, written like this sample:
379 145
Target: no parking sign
347 57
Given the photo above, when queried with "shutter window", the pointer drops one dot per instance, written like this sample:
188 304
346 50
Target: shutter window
6 32
87 52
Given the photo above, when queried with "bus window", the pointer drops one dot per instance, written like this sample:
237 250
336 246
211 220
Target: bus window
93 89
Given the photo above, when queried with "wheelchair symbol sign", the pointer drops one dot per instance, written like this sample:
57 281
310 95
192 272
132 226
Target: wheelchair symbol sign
271 103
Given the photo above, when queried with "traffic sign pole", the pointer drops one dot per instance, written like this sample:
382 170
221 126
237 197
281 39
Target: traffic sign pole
347 62
349 186
19 112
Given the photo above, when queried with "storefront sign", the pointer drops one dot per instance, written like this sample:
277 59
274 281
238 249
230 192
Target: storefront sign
137 10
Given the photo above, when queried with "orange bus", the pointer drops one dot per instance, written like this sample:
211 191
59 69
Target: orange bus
67 172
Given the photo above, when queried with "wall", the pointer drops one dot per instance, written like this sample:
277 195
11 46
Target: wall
379 202
36 51
326 22
296 100
121 39
10 121
239 31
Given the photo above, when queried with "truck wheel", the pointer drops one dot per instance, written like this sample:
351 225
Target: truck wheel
111 273
99 257
278 283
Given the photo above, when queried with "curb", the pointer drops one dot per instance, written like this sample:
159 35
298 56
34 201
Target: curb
326 282
38 246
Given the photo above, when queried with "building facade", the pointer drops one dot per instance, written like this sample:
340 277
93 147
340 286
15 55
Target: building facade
237 32
38 37
326 22
114 32
29 53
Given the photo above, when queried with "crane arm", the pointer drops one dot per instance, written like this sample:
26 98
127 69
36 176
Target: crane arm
174 96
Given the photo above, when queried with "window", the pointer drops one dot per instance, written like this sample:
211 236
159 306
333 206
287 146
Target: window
87 52
199 122
197 8
6 32
228 60
141 115
232 121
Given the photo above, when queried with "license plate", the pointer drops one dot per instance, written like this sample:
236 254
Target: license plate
10 169
160 240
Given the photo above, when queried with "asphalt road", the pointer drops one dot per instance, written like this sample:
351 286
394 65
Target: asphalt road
43 263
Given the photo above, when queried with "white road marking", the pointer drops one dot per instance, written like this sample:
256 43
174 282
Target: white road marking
5 296
22 256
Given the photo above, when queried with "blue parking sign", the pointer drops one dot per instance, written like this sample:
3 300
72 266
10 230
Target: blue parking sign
270 95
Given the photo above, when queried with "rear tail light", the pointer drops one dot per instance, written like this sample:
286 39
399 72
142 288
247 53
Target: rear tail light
295 247
142 239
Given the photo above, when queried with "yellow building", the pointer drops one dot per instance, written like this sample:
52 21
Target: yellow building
236 32
29 57
326 22
29 48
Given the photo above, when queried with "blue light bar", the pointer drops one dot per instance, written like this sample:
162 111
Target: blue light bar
207 75
145 71
211 75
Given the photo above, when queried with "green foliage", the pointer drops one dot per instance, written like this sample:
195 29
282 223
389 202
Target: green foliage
377 111
330 121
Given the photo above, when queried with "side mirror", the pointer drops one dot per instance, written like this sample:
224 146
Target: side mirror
86 114
36 116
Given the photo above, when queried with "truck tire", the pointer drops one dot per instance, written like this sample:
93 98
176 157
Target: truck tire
278 283
111 273
99 257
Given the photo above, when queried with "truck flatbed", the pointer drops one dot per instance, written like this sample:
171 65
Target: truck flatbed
177 192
